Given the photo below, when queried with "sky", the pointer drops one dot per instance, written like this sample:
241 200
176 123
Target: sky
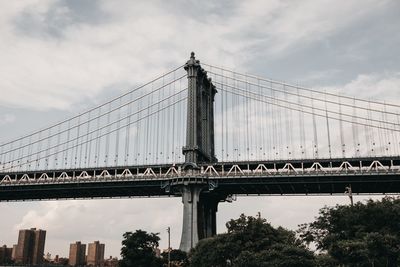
61 57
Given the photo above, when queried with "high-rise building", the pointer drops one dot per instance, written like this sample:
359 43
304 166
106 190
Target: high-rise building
30 247
5 255
95 256
77 254
23 246
39 238
14 250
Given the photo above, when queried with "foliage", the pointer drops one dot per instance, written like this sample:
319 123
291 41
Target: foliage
138 249
178 258
279 255
325 260
252 241
360 235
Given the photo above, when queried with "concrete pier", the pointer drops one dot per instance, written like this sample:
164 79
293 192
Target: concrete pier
199 216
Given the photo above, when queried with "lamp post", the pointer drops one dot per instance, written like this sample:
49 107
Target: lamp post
169 246
349 192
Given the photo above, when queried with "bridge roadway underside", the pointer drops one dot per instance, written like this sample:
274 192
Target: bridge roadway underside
82 190
282 185
365 176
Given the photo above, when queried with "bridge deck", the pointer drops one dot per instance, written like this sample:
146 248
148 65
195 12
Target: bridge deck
324 176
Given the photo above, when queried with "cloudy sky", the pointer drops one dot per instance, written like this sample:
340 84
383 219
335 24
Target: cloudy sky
58 58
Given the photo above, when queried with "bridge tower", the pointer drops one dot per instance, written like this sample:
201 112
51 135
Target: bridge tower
200 116
199 204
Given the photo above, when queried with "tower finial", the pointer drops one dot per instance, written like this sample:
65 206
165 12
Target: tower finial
192 55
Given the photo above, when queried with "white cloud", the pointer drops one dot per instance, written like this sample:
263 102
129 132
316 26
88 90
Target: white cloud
283 26
377 87
136 41
314 77
6 118
370 85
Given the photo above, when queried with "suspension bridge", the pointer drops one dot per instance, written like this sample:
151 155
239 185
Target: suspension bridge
206 134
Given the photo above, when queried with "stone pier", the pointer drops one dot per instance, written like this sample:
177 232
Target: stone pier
199 215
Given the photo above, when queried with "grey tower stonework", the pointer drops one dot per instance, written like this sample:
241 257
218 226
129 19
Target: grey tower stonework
199 205
200 115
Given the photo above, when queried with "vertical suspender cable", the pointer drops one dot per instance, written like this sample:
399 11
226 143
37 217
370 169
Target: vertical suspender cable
222 116
356 141
173 128
10 158
97 152
88 146
274 126
47 149
77 142
179 127
247 122
264 116
280 133
291 132
57 156
386 132
136 148
128 133
20 153
287 124
2 157
397 144
66 148
371 129
158 128
81 146
301 127
328 130
342 145
381 136
28 160
226 123
117 133
147 126
367 139
107 147
315 148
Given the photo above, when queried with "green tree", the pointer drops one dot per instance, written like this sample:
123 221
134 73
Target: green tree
366 234
325 260
138 249
252 241
278 255
178 258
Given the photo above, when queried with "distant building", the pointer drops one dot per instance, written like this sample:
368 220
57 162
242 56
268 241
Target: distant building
111 262
30 247
77 254
5 255
95 256
47 257
62 261
14 250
